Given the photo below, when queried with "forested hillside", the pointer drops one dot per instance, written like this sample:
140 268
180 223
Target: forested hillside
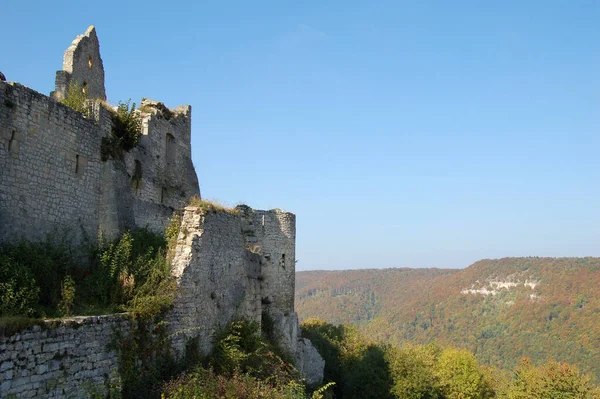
501 310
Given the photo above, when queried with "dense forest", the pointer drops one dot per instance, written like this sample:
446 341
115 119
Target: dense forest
359 367
500 310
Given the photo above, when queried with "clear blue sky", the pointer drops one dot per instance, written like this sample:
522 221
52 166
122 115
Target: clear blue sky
401 133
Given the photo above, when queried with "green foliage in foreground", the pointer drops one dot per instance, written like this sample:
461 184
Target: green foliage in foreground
244 364
206 384
53 278
364 369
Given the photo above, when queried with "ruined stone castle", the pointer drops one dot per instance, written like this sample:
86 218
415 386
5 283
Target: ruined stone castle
51 172
54 179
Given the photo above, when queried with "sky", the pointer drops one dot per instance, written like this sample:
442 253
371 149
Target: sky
400 133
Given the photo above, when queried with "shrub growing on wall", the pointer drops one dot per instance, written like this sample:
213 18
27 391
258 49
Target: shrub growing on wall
19 292
126 131
75 98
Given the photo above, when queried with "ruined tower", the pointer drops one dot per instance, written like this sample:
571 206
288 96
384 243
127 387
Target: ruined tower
82 66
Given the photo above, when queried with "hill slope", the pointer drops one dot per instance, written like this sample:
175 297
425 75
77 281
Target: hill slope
499 309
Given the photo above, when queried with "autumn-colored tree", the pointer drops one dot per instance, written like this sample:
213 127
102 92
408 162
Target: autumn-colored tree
460 376
553 380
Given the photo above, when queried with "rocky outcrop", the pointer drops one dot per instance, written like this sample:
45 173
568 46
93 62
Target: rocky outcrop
309 362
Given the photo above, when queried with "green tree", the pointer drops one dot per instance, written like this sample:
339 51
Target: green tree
460 376
412 371
553 380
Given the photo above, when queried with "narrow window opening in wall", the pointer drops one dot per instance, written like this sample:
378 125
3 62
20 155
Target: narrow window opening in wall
283 260
84 88
90 62
163 195
77 167
170 148
11 142
136 179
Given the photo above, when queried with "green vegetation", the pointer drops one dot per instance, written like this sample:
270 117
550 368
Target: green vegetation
558 319
133 274
245 363
126 131
126 122
364 369
10 325
76 98
50 279
211 206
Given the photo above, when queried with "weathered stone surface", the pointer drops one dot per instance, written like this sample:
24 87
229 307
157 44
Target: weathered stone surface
309 362
66 347
218 276
286 329
82 66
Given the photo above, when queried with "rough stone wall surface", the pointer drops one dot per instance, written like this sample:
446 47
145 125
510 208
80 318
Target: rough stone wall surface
274 234
218 277
49 166
153 180
221 268
63 359
82 65
164 156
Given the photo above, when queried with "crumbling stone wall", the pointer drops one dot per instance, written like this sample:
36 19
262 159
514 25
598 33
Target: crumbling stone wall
52 177
273 234
223 262
219 278
49 166
82 66
60 359
154 179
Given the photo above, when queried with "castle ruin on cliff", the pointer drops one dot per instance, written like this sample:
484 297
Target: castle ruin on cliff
54 178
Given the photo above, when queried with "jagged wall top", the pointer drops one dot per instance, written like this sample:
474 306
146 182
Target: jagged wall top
82 65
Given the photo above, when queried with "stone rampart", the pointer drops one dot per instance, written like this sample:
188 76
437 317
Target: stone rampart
50 165
219 278
66 358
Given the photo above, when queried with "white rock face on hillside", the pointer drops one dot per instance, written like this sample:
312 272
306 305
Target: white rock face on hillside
495 287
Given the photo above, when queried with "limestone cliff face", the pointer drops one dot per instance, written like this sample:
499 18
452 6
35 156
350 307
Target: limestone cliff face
224 276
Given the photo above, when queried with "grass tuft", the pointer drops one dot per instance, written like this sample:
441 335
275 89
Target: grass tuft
211 206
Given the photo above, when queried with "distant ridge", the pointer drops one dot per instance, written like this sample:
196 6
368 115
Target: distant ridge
501 309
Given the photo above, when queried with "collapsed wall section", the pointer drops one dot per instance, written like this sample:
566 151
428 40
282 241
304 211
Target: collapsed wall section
223 262
82 67
49 166
218 277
